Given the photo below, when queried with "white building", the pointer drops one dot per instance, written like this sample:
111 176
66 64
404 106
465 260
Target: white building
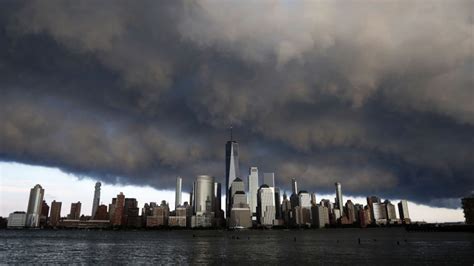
320 216
178 195
16 220
403 210
252 189
380 213
266 205
34 206
204 194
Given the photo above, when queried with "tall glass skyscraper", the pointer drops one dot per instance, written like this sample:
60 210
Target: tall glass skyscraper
204 194
253 188
231 167
96 200
34 206
339 201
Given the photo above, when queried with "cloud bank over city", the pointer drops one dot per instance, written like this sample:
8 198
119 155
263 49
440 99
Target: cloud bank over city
376 95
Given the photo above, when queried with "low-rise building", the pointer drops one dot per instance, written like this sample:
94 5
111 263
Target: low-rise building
16 220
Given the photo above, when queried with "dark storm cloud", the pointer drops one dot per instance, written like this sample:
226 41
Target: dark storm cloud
378 96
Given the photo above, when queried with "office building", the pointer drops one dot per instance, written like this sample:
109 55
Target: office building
286 210
252 189
294 186
101 213
231 167
468 207
350 212
339 202
118 210
96 199
265 205
179 219
160 215
370 202
16 220
44 214
178 196
403 211
55 214
380 213
34 206
320 216
240 215
204 194
303 210
278 214
390 210
313 199
236 186
75 212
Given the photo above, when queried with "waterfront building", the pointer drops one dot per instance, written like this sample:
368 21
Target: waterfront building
277 204
252 183
350 212
313 199
339 202
160 215
204 194
370 202
101 213
178 193
320 216
240 215
390 210
231 167
16 220
468 207
403 211
130 209
118 209
286 210
34 206
75 212
96 199
380 213
55 214
265 205
44 214
236 186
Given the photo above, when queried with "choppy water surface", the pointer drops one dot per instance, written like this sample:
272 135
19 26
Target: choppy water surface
331 246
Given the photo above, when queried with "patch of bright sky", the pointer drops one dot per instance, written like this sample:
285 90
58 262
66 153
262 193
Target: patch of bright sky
16 180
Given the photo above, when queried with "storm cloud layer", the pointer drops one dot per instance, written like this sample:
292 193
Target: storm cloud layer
376 95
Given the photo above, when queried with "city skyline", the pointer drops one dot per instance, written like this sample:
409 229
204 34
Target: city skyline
143 195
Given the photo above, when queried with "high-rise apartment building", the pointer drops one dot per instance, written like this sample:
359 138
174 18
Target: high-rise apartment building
34 206
118 209
55 214
252 189
403 211
96 200
390 210
320 216
265 205
75 212
178 195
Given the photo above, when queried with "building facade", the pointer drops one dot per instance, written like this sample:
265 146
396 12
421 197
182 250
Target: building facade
34 206
252 189
96 199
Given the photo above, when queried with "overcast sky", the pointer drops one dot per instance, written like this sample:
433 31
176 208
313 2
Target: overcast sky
377 95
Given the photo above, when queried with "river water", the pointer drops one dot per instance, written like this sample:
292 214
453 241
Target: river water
378 246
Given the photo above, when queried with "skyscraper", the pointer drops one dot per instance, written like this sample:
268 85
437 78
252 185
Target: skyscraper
237 185
204 194
178 196
34 206
390 210
277 204
294 186
96 200
265 205
231 167
217 198
339 202
55 214
118 208
75 212
252 188
403 211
